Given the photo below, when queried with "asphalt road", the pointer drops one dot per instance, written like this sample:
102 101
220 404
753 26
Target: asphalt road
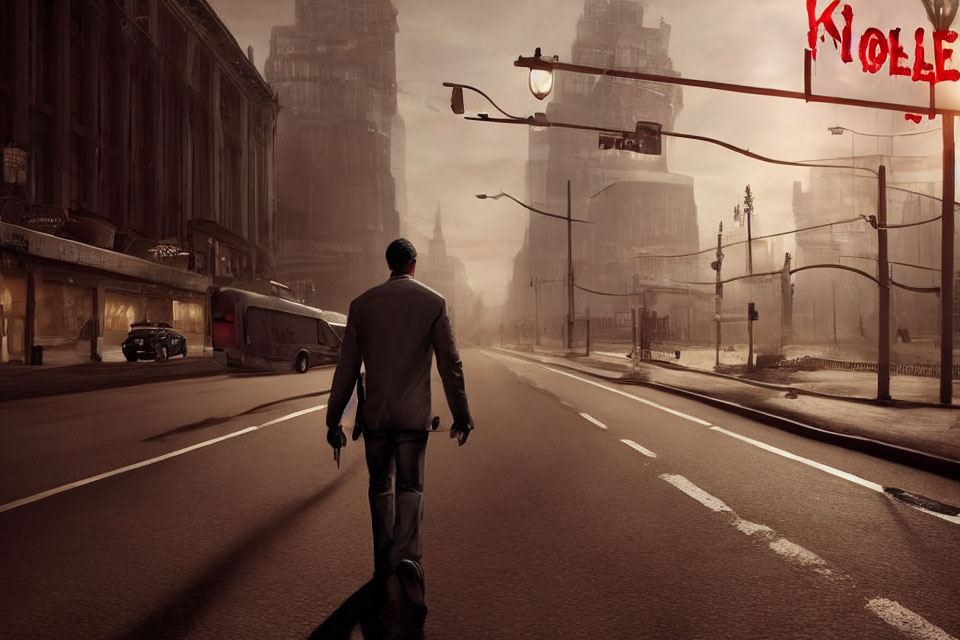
546 525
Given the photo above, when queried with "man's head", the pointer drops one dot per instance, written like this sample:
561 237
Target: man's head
401 257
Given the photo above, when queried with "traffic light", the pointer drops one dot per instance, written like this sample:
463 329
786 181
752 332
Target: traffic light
752 314
648 136
456 100
646 140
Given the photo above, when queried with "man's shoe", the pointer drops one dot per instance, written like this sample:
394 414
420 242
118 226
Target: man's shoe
410 575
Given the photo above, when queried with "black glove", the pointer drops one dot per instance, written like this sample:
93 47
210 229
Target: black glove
336 438
461 432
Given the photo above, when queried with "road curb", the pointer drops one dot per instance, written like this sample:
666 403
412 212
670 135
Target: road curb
901 404
924 461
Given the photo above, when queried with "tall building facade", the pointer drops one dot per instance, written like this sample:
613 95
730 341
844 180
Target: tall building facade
635 204
334 71
137 143
448 276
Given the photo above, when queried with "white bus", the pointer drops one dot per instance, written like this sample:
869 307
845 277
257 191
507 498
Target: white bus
257 331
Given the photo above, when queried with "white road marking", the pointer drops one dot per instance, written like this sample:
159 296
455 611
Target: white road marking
590 418
873 486
695 492
109 474
799 555
752 528
812 463
787 550
908 622
649 403
634 445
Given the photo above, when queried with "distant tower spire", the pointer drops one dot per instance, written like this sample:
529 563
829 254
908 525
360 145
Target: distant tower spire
437 226
438 245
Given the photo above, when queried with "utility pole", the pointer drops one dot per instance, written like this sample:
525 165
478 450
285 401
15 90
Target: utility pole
588 331
883 356
786 304
570 308
535 283
752 315
748 213
946 263
718 303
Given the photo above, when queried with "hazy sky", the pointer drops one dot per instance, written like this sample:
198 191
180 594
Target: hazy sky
754 42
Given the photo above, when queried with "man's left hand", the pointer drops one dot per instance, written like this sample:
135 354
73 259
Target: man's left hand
461 432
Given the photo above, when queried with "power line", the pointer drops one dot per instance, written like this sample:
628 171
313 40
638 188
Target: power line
772 235
902 264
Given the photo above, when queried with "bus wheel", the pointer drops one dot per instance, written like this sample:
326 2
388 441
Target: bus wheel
302 363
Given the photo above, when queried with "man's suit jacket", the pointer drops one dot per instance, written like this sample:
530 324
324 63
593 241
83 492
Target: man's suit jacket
394 329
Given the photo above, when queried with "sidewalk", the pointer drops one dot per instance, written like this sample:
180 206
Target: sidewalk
20 381
814 401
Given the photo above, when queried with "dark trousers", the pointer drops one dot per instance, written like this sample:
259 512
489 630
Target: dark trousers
395 515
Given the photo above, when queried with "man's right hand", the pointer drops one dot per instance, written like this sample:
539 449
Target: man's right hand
336 438
461 432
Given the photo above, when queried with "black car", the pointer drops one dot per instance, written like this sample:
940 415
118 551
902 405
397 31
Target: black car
153 341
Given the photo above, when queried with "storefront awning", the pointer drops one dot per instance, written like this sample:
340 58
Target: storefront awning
20 240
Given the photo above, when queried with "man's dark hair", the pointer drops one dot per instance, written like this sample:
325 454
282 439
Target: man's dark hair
401 255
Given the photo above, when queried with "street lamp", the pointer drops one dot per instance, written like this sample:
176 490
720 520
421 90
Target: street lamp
941 14
570 220
541 78
883 379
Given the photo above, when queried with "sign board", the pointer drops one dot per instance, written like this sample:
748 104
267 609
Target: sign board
15 166
923 55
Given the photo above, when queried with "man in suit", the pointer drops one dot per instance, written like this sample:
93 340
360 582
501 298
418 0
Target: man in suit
394 329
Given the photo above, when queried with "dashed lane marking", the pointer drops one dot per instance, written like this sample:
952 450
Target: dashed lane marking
590 418
649 403
179 452
908 622
949 517
788 551
695 492
643 450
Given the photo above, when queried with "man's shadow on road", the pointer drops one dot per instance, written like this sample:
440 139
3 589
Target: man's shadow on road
380 612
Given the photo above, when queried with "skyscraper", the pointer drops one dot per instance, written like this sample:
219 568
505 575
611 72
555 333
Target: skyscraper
639 206
335 73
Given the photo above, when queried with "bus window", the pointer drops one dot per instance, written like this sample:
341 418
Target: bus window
327 335
273 333
224 322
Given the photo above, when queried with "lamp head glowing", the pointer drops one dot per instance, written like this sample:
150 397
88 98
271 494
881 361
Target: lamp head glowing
541 83
541 77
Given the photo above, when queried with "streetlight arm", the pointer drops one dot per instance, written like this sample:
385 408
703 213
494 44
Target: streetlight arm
526 206
756 156
541 122
806 96
840 130
475 90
